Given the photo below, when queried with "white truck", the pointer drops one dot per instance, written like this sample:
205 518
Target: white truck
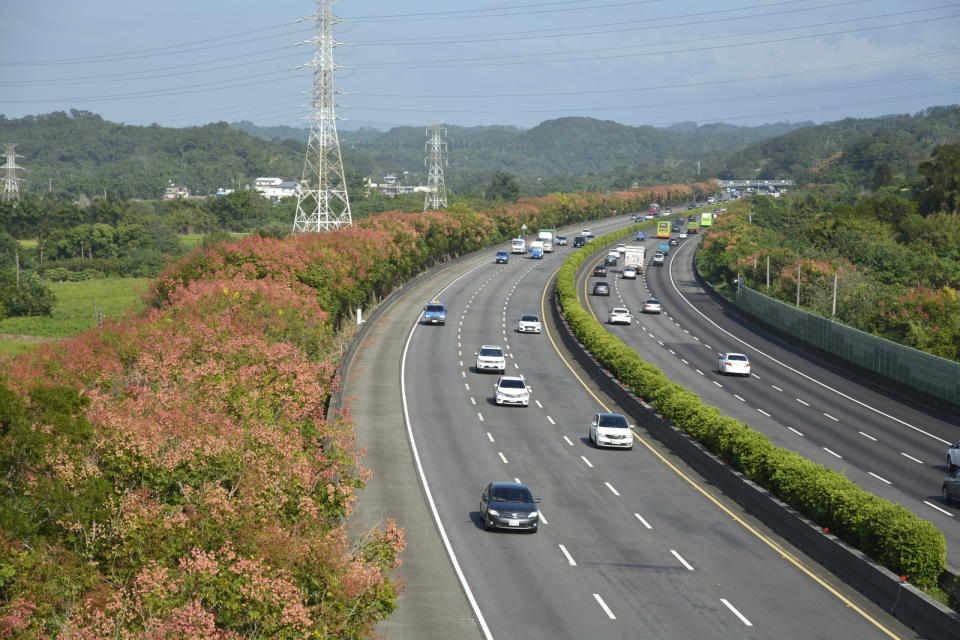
633 256
519 245
546 237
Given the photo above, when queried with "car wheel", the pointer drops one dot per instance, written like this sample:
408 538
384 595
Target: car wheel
590 437
945 494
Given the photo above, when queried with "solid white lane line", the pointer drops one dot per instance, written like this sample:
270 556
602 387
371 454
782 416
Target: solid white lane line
490 436
588 463
867 435
642 521
550 420
569 557
806 404
502 457
907 455
739 398
604 606
612 490
732 608
930 504
538 404
764 412
682 561
833 453
773 386
831 417
878 477
568 440
795 431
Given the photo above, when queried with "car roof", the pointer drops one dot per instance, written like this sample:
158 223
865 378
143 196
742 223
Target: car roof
733 353
511 485
489 346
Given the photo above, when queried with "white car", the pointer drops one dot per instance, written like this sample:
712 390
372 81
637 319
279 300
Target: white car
585 232
652 305
511 390
657 260
619 315
682 235
529 323
491 358
611 430
736 363
953 457
629 273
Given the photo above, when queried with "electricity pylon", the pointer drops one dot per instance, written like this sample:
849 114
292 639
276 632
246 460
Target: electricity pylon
11 188
323 204
436 196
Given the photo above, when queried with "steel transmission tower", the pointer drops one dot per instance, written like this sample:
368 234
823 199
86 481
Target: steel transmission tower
436 197
11 188
323 204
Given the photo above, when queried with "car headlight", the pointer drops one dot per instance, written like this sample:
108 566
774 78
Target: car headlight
533 514
493 512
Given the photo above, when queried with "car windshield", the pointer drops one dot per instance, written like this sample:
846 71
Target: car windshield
602 283
493 353
736 356
613 420
619 310
512 383
529 319
434 308
511 494
652 301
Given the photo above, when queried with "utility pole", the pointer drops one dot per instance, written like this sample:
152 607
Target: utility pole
11 188
798 286
323 203
833 310
436 196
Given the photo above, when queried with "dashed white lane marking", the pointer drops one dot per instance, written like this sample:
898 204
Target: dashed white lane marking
682 561
907 455
867 435
502 457
773 386
684 361
538 404
463 373
930 504
603 605
660 342
587 462
543 518
490 437
480 416
672 352
739 398
795 431
806 404
698 371
516 366
642 521
878 477
732 608
717 383
764 412
472 400
467 385
612 490
833 453
569 557
550 420
755 376
651 335
832 418
568 440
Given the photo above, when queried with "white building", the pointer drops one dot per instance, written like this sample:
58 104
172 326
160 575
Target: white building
391 186
172 192
274 189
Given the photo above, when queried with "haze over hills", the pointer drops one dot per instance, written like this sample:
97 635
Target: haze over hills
80 152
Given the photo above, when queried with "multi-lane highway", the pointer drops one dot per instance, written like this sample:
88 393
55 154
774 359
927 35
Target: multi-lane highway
631 542
892 449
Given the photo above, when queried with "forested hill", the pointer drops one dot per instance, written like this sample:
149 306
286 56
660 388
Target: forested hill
869 152
561 147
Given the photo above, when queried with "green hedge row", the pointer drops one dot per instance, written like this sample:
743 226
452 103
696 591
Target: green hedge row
887 532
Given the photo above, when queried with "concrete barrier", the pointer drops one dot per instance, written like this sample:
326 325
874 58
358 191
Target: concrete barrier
910 605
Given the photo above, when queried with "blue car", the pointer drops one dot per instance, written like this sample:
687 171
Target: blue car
641 236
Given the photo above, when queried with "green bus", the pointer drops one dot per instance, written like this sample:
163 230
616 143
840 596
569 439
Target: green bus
693 226
706 219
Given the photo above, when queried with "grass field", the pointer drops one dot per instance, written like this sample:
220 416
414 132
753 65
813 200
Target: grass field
75 310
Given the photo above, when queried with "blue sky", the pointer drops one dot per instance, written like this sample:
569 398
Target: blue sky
477 62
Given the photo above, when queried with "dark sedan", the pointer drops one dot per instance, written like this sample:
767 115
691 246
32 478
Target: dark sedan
951 487
509 505
599 271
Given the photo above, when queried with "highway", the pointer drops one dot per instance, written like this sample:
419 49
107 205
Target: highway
892 449
631 543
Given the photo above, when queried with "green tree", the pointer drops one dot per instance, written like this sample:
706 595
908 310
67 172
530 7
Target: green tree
939 187
503 186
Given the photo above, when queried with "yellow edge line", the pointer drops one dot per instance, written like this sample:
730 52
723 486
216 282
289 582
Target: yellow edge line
770 543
